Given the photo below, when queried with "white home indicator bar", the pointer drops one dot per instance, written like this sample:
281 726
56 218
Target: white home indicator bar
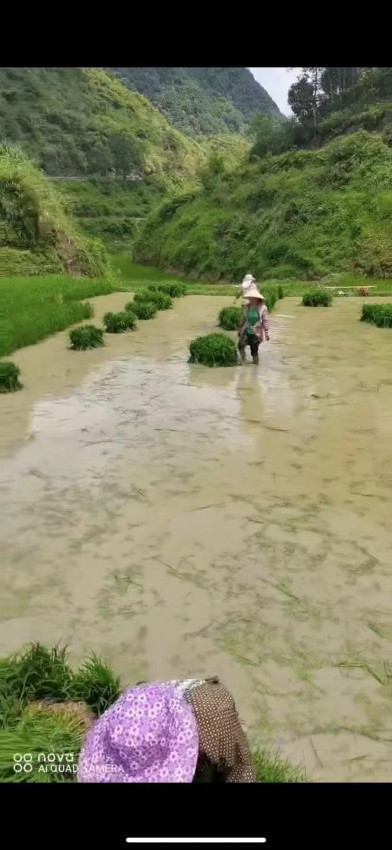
196 840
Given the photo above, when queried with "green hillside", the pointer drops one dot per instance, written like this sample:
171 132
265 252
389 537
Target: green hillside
202 101
84 122
36 235
110 154
298 214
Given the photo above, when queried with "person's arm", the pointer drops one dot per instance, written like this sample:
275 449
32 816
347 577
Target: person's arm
243 318
265 322
221 737
261 327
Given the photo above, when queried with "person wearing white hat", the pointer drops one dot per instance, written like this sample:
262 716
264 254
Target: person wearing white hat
254 324
248 283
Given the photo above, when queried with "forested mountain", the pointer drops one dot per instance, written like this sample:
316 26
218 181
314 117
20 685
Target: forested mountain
299 198
84 122
313 198
110 154
80 123
202 101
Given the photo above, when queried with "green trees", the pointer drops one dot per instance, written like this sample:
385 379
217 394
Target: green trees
270 135
84 122
202 101
302 100
320 91
325 102
127 154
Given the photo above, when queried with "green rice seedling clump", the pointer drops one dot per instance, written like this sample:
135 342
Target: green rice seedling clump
377 314
270 767
213 350
118 323
88 336
96 685
230 318
174 288
130 307
9 377
317 298
40 674
271 297
161 300
41 735
36 673
142 296
280 291
145 310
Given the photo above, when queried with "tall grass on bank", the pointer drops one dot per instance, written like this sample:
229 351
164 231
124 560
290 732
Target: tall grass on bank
33 308
132 277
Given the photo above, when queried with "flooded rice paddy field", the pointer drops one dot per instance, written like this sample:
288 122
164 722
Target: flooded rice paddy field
183 521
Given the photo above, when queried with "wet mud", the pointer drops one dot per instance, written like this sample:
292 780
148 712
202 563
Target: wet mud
184 521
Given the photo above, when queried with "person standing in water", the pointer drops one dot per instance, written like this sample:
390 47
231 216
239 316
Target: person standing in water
254 324
249 282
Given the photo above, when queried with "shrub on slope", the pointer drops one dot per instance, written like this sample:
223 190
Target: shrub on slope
300 214
33 223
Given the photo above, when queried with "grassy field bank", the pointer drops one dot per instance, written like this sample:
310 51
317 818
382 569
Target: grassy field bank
134 275
32 308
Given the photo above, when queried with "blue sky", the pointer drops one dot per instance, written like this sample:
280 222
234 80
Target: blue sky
277 82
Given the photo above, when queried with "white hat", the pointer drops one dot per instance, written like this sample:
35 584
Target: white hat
253 292
248 280
247 283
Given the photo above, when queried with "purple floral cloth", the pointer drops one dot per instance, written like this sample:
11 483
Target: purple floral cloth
149 735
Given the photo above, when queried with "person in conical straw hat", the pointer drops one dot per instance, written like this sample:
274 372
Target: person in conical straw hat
254 324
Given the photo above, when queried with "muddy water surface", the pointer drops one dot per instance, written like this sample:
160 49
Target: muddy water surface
188 522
